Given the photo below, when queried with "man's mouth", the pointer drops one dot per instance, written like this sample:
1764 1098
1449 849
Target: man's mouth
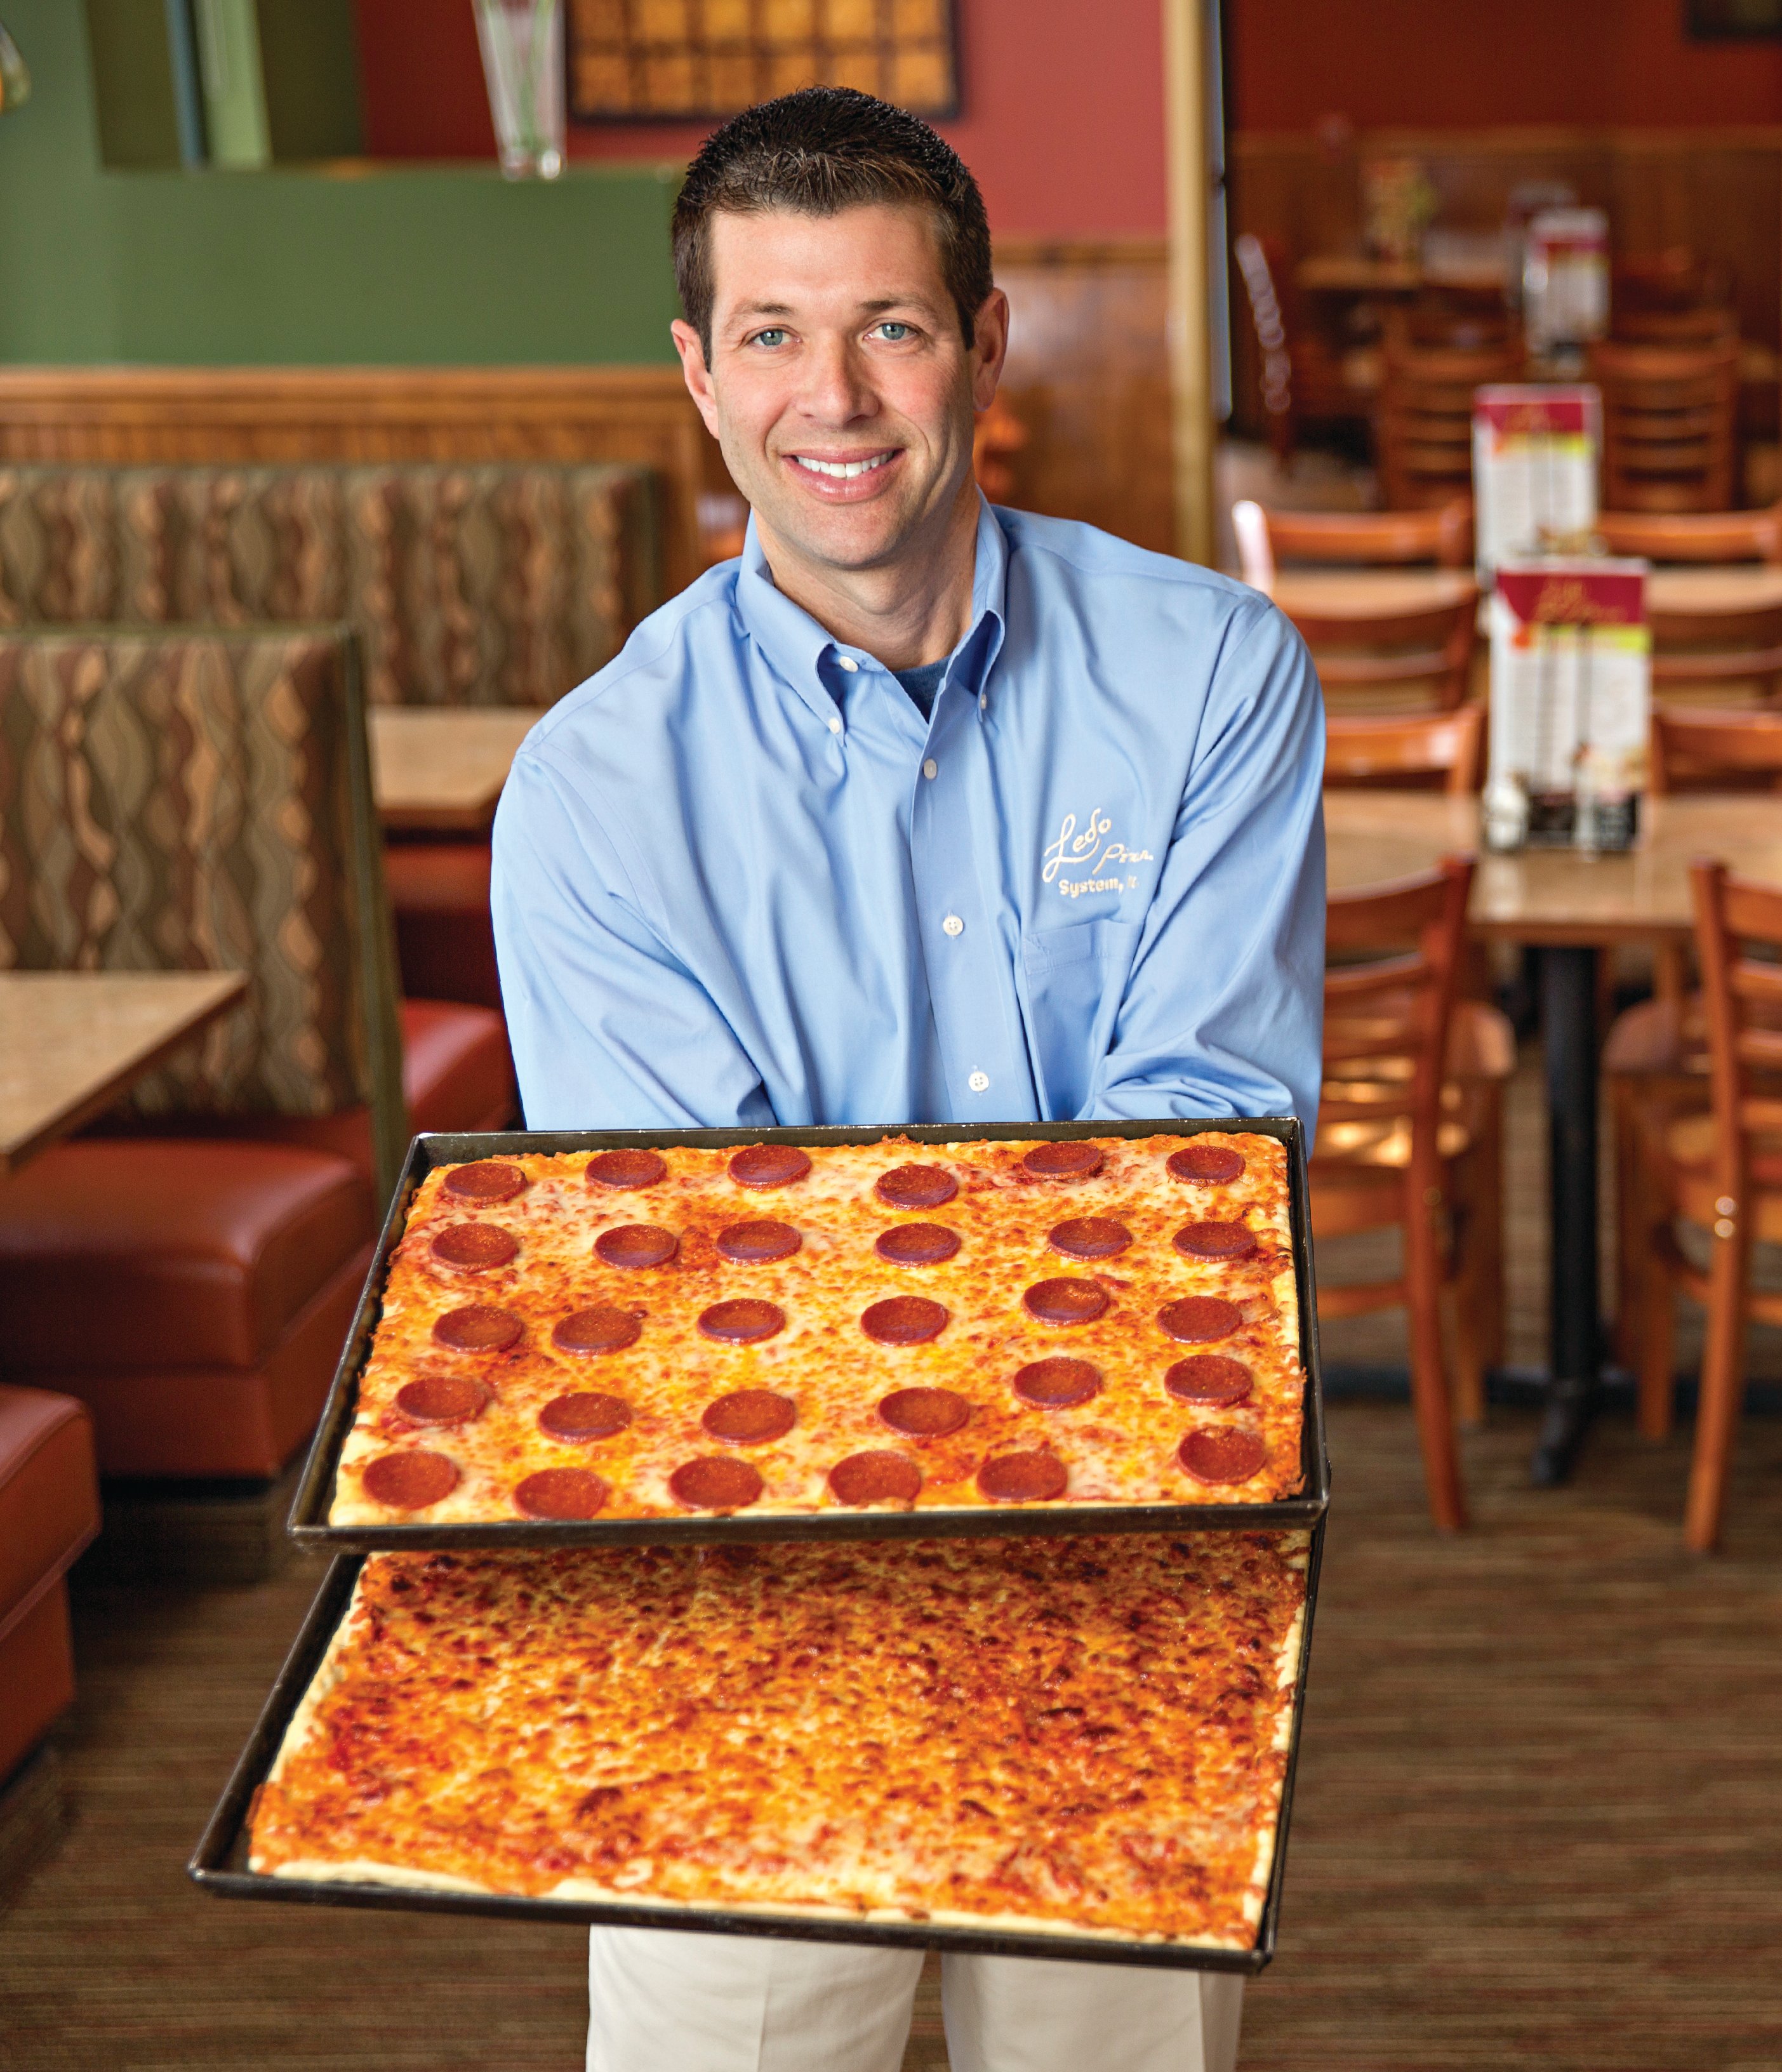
843 470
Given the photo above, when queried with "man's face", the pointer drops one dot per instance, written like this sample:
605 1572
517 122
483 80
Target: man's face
839 386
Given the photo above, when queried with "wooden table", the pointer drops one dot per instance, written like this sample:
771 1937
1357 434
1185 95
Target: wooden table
441 772
71 1041
1713 587
1569 908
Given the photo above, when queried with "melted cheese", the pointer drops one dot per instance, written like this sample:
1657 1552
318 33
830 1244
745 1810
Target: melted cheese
1121 1447
1086 1735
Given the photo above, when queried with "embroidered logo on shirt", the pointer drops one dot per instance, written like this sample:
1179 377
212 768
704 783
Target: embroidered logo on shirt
1091 851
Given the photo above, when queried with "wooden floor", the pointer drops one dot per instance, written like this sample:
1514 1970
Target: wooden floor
1537 1822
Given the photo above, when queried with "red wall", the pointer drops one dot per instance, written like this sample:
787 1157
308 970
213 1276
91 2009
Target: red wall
1453 64
1064 134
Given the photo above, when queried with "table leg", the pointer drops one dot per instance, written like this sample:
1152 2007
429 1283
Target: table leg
1568 1023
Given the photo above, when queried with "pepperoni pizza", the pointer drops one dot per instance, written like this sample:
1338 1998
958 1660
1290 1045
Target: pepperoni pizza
636 1334
1083 1735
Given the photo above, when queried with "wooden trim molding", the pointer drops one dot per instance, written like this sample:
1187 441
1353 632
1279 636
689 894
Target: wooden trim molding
133 416
1185 61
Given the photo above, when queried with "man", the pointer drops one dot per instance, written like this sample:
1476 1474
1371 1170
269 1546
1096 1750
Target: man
919 811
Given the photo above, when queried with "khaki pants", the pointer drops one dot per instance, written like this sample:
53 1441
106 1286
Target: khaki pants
664 2001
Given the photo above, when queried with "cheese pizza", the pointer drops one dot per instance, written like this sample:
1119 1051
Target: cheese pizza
638 1334
1086 1735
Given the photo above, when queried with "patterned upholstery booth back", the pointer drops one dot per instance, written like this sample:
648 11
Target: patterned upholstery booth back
201 801
499 584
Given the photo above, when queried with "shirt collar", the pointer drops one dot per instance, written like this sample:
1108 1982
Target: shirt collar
804 652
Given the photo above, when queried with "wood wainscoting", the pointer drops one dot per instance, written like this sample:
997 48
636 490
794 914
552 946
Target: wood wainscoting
132 416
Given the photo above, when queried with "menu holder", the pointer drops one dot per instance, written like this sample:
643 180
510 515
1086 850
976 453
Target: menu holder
1571 689
1534 465
1566 280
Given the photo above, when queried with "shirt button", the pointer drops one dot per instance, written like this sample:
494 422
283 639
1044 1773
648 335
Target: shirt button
846 662
952 926
983 701
835 724
931 769
979 1082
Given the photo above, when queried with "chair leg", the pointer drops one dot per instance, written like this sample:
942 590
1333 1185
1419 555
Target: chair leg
1632 1219
1722 1389
1467 1311
1429 1370
1653 1293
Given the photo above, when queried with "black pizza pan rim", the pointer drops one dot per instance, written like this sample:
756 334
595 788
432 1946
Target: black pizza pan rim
308 1522
216 1865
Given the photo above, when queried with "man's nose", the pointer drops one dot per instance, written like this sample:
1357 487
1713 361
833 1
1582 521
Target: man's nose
836 390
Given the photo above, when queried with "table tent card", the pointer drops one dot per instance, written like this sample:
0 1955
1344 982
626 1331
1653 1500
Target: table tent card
1571 685
1566 279
1534 461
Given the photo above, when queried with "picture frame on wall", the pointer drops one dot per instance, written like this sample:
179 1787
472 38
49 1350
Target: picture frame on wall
1724 20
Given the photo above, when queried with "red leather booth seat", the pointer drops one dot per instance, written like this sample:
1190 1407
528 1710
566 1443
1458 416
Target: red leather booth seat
445 941
195 1291
49 1509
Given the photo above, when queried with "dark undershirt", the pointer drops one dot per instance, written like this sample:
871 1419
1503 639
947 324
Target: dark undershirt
924 684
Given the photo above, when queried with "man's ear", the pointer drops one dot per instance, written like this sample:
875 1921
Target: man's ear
990 348
695 373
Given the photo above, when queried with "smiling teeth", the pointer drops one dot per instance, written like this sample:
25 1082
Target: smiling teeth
843 470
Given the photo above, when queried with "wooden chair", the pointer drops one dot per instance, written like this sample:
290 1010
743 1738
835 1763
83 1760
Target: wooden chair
1656 1060
1726 644
1722 1172
1302 376
1669 421
1390 649
1387 1145
1439 537
1425 421
1437 752
1694 535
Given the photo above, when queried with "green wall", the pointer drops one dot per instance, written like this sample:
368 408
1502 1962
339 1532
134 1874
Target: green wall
440 265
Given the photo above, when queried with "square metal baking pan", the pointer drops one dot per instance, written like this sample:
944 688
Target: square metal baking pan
309 1515
220 1862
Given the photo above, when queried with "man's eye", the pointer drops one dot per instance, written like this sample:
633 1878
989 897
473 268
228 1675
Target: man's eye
773 336
894 334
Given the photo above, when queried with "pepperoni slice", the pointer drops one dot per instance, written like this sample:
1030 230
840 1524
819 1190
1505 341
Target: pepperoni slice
1216 1240
924 1413
1217 1453
579 1418
769 1166
442 1399
1064 1161
1029 1477
474 1245
636 1245
602 1329
716 1481
1065 1302
626 1168
750 1417
410 1482
488 1181
1090 1237
743 1322
1197 1318
917 1244
881 1477
1056 1385
915 1187
477 1329
562 1493
903 1320
755 1243
1209 1378
1212 1163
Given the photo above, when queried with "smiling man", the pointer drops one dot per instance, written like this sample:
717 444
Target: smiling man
920 811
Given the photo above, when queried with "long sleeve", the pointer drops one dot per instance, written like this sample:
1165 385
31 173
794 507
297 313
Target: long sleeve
1222 1012
609 1030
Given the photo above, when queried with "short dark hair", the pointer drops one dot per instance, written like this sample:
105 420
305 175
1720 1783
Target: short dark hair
817 152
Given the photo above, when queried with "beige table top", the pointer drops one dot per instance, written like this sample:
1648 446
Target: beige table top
1557 895
443 772
1363 593
71 1041
1740 586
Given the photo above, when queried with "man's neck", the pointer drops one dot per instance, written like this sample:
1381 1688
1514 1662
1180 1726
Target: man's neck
915 611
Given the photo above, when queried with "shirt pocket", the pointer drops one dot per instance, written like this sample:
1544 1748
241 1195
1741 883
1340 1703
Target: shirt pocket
1073 979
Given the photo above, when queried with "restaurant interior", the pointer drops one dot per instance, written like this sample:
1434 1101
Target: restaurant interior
341 435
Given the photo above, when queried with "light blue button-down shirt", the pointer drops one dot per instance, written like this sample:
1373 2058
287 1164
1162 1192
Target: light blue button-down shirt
739 880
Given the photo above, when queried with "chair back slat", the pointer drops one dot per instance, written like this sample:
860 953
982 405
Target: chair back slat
1439 751
1669 424
1441 536
1702 749
1694 535
1431 644
1425 422
1732 916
